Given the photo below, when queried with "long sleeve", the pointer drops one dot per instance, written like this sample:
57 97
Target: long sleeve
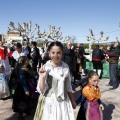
68 84
112 54
80 99
13 62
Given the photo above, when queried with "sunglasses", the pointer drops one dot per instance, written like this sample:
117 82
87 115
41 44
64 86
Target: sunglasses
96 80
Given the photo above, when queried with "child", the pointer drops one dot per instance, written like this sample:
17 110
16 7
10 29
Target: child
56 99
4 89
21 100
91 107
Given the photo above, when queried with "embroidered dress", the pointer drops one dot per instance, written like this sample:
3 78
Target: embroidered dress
4 60
54 103
92 94
4 89
21 102
14 75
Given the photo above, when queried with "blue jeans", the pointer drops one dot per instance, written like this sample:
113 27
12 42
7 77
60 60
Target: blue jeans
113 68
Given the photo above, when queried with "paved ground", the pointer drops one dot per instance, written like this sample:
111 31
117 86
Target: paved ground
110 99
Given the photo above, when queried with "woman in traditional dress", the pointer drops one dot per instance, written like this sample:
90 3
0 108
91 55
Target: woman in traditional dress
21 99
14 61
91 106
4 58
56 101
4 89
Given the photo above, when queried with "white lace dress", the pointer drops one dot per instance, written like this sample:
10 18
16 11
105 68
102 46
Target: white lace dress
49 108
4 89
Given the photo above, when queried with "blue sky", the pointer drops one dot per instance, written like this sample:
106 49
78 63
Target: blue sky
75 17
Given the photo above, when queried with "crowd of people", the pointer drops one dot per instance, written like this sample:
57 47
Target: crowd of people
43 78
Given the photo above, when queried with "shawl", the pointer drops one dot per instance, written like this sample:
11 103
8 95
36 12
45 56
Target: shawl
92 93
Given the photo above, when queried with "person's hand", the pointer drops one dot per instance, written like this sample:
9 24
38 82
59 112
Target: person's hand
101 106
42 71
12 69
31 54
27 93
74 105
108 47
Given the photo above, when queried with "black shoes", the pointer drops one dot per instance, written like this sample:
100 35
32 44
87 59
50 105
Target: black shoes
112 88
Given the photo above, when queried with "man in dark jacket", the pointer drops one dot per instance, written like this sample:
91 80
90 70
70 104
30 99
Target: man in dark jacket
82 53
113 65
68 54
35 54
26 47
97 57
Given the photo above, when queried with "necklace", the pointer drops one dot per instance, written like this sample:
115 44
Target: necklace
55 65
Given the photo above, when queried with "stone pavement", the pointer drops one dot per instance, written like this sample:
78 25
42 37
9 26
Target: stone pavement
110 99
